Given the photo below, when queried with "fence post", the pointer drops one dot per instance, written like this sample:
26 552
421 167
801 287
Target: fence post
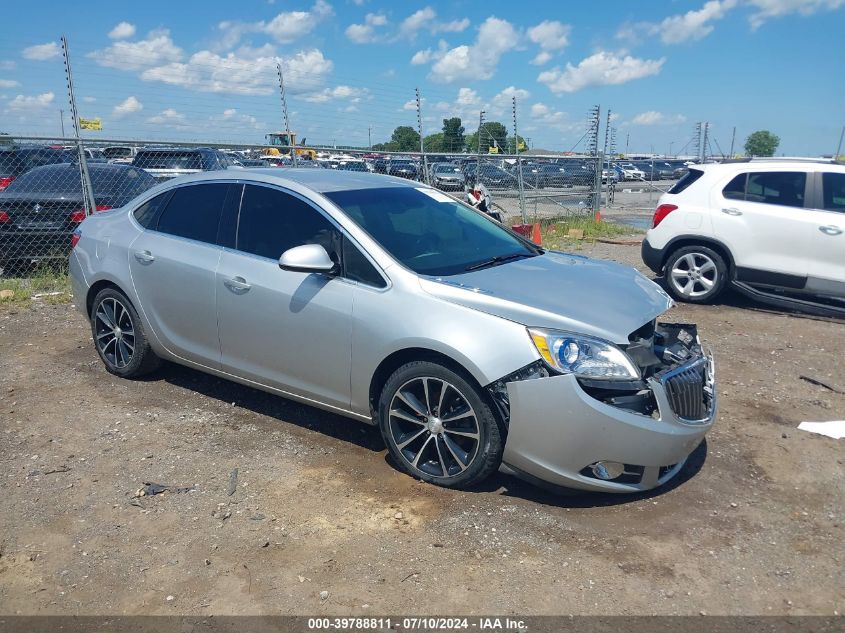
422 143
518 166
596 198
84 176
285 111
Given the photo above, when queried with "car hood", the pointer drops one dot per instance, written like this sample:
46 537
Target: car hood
559 291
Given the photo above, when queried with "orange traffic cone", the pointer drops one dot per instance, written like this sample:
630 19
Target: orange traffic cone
536 237
598 216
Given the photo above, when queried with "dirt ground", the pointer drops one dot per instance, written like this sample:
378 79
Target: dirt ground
754 524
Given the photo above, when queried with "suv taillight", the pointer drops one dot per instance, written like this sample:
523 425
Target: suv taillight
4 217
5 181
661 212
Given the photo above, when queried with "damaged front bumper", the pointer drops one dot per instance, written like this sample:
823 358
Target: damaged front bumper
565 431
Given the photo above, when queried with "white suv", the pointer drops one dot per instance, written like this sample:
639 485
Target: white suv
769 227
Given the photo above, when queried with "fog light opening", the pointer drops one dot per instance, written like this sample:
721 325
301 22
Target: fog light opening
607 471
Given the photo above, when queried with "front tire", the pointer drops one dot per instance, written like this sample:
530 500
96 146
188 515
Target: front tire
119 336
438 426
695 274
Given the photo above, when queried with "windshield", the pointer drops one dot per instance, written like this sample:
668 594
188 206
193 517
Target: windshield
65 179
168 160
117 152
446 169
428 231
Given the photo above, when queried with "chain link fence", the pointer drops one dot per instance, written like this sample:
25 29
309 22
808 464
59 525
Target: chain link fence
48 186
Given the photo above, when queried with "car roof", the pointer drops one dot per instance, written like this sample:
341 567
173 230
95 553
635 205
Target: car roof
317 180
769 165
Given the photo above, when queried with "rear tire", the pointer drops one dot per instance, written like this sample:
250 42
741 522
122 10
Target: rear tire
695 274
438 426
119 336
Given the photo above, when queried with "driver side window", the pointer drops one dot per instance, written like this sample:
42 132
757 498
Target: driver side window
272 221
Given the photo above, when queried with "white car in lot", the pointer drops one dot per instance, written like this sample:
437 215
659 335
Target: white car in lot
775 229
632 172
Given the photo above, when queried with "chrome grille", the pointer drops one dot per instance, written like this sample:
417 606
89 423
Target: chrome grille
689 389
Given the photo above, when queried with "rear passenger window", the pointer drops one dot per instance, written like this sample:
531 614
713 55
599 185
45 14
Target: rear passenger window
784 188
194 212
146 214
272 222
833 186
736 188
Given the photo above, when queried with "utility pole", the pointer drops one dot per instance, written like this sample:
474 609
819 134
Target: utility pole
627 140
839 147
85 177
593 123
704 142
422 142
285 112
733 139
518 166
62 120
606 158
370 137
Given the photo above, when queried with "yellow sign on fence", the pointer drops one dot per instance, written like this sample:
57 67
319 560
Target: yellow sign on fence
90 124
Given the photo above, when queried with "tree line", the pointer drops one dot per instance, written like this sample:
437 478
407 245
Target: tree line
452 139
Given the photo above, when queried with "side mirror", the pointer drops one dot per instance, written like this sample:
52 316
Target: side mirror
308 258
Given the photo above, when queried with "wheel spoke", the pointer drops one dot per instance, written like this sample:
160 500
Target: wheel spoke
458 416
404 443
397 413
446 386
707 266
707 283
440 458
689 260
102 335
462 433
103 315
461 463
688 286
411 400
416 461
427 397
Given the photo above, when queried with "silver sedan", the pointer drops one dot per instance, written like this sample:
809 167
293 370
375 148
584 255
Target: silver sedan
391 303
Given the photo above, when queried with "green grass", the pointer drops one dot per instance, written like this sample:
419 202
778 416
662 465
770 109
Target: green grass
40 284
555 232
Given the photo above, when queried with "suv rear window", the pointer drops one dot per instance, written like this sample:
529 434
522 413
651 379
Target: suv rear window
686 180
834 191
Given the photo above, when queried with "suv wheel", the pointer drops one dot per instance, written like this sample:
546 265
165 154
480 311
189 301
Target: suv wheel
695 274
438 427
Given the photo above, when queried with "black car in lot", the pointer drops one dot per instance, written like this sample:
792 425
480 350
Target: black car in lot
40 210
657 170
164 163
403 168
17 160
491 176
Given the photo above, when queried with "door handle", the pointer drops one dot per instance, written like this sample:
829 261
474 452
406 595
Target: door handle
237 285
145 257
830 230
731 211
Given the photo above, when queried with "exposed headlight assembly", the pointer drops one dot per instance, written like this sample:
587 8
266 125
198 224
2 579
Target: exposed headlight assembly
583 356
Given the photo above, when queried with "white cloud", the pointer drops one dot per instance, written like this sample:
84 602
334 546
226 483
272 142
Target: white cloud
693 25
130 105
122 31
416 21
169 118
22 102
286 27
455 26
41 52
600 69
338 92
504 100
479 60
550 35
89 99
9 83
233 119
767 9
541 58
155 49
544 116
367 32
411 104
421 57
250 71
467 97
7 64
652 117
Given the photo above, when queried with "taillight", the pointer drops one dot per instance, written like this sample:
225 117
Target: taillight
5 181
75 237
4 217
661 212
79 215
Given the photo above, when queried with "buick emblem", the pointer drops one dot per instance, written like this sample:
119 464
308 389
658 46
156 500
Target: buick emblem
36 208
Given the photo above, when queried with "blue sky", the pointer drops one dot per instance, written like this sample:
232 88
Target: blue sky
208 72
